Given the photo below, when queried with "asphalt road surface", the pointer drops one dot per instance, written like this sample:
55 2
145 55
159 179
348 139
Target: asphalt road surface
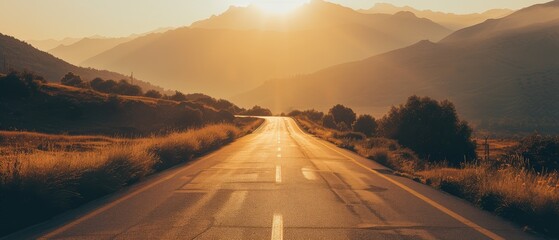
277 183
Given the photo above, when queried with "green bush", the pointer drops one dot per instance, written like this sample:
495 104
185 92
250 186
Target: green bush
431 129
365 124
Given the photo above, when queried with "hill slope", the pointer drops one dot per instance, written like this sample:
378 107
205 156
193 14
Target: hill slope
86 48
500 75
22 56
55 108
449 20
220 59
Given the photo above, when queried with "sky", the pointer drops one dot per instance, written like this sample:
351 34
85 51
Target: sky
57 19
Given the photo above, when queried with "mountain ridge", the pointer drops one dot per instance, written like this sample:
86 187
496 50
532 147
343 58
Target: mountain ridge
202 58
504 81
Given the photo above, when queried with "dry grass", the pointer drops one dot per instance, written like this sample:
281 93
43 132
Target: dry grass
518 194
17 142
37 184
507 189
497 147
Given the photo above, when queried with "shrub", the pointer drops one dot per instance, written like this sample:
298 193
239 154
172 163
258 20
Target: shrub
342 114
541 153
365 124
313 115
431 129
350 135
328 121
294 113
13 87
70 79
179 97
258 111
153 94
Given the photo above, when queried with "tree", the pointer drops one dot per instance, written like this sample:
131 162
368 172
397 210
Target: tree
258 111
431 129
541 152
343 114
179 97
70 79
125 88
328 121
365 124
153 94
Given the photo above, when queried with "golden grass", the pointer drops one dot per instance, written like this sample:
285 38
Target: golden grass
37 184
509 190
17 142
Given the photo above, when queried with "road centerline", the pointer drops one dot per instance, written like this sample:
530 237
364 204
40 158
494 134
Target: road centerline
277 227
426 199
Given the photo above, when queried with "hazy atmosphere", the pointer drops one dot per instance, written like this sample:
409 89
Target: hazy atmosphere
57 19
279 119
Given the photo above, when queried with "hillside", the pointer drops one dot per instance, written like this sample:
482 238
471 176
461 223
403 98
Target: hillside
500 75
54 108
449 20
223 60
86 48
21 56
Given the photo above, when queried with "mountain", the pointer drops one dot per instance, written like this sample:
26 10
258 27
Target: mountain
224 60
501 74
449 20
86 48
18 55
48 44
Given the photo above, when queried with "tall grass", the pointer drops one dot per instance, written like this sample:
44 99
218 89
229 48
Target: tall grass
35 185
506 188
519 194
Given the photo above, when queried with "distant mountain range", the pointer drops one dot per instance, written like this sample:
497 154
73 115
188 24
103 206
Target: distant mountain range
48 44
241 48
86 48
18 55
501 74
449 20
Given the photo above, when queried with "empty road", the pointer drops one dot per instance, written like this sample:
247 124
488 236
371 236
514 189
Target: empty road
278 183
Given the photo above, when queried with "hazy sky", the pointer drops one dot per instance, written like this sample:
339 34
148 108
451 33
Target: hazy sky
43 19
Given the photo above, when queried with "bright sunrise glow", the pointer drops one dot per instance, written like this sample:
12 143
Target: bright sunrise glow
279 6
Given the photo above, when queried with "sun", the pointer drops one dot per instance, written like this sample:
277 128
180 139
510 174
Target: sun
278 6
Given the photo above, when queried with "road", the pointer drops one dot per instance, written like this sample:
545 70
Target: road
277 183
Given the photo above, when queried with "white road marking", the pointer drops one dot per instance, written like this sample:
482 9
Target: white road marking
278 174
426 199
277 227
279 155
279 149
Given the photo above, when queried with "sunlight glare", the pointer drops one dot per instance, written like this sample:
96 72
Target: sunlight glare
279 6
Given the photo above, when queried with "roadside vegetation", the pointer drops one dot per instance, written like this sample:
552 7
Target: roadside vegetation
62 145
49 174
425 140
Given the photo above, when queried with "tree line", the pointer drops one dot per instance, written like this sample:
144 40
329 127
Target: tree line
430 128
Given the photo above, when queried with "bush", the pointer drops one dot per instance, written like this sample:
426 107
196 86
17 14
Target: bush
13 87
328 122
541 153
431 129
153 94
111 87
70 79
258 111
350 135
342 114
179 97
365 124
